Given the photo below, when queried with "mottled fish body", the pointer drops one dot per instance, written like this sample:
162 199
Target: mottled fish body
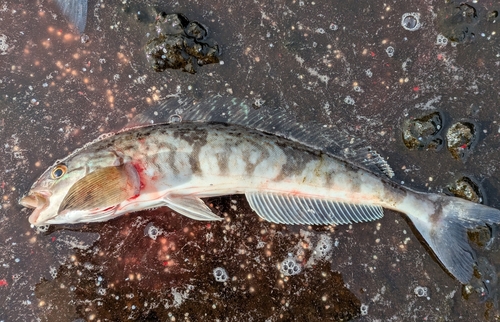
285 181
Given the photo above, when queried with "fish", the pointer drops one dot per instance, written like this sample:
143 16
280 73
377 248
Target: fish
290 174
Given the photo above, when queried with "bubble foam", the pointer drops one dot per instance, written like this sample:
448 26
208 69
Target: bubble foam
220 274
290 267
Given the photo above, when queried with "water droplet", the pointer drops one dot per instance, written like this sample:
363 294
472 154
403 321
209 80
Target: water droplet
153 232
441 40
421 291
175 118
84 39
220 274
411 21
349 100
390 51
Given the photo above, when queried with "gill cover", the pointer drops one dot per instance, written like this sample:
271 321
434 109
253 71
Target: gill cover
102 188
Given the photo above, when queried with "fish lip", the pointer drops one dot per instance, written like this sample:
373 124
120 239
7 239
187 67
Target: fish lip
35 199
28 201
38 200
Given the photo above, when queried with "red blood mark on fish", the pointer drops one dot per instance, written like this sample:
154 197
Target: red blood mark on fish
53 239
139 167
295 192
3 282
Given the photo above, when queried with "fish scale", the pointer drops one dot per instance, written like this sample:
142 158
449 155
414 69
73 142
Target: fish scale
284 180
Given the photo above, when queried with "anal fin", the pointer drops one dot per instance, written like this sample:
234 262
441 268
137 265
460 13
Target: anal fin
292 209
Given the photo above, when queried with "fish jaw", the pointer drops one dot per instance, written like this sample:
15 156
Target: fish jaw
39 201
83 216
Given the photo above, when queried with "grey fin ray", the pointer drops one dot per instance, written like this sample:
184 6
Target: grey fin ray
191 207
75 11
448 237
276 121
292 209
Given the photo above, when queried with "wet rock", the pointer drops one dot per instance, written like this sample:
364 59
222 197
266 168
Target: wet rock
180 44
459 21
196 31
467 189
423 133
175 277
460 138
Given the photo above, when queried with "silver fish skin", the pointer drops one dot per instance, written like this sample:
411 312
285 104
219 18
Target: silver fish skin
287 182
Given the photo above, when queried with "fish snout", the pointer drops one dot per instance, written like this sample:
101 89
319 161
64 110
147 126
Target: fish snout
34 200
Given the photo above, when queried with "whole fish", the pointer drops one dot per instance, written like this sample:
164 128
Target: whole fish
285 180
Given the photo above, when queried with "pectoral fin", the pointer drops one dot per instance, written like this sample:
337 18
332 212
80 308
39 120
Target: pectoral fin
102 188
191 207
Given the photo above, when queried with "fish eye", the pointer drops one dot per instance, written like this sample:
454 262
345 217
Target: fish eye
58 171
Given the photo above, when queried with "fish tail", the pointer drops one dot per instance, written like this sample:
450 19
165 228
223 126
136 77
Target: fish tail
445 231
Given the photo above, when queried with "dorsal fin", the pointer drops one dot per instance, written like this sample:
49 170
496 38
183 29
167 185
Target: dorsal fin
230 110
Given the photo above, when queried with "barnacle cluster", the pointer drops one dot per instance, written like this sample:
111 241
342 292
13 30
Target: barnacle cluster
180 44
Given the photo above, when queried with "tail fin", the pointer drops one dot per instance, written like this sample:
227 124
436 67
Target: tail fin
446 232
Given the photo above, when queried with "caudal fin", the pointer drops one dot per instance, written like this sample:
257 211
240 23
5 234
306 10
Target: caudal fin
446 232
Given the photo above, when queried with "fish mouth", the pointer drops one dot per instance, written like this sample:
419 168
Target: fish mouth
35 200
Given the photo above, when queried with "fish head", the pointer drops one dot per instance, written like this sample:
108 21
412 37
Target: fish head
48 192
81 188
